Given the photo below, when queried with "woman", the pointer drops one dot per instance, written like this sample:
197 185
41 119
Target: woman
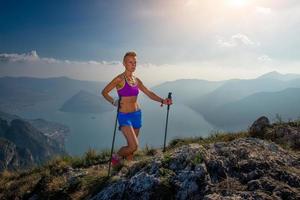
129 115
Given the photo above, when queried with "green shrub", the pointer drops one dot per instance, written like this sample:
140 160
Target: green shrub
197 159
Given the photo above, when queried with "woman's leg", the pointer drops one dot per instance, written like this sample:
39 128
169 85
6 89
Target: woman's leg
136 131
132 142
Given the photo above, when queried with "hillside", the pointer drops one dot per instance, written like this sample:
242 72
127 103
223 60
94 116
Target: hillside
185 90
53 130
23 146
240 113
260 164
86 102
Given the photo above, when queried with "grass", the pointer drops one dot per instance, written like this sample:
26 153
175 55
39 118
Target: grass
14 185
51 177
198 159
212 138
165 190
166 159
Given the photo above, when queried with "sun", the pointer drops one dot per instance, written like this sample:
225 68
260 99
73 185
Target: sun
238 3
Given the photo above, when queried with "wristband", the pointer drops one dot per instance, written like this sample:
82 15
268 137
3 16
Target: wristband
115 102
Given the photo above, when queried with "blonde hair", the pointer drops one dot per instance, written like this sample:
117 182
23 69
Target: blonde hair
130 53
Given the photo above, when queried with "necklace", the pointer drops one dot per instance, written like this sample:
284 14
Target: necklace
130 80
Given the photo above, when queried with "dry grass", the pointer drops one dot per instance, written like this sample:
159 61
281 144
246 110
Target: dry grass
212 138
230 184
16 185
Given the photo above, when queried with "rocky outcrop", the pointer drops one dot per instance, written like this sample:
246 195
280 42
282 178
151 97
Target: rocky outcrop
287 134
53 130
12 157
258 127
22 145
246 168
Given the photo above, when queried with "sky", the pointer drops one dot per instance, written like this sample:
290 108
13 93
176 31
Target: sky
174 39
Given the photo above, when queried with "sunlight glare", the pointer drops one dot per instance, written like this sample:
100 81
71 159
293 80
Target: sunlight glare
238 3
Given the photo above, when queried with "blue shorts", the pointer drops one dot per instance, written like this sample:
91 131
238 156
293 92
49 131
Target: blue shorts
133 119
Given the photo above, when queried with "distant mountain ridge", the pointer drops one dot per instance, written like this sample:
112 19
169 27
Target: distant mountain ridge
234 90
184 90
19 92
285 103
279 76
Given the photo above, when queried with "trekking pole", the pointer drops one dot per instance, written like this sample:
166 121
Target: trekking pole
170 97
113 142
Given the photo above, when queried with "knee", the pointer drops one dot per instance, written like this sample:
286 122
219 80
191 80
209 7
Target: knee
133 147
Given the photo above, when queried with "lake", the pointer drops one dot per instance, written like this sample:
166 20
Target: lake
96 130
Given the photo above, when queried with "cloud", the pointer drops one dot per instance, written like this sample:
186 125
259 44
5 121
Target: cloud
33 57
33 65
236 40
27 57
264 58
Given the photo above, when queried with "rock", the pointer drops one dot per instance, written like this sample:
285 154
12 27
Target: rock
13 157
141 186
114 191
245 168
190 184
184 155
216 170
257 129
286 192
286 135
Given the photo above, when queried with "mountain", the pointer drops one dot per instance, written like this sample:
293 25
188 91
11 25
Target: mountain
278 76
185 90
8 117
25 141
260 164
53 130
18 93
13 157
86 102
234 90
239 113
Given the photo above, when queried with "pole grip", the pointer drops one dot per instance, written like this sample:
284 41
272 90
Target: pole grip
169 97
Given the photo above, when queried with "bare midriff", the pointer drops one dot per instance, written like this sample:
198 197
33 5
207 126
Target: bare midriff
129 104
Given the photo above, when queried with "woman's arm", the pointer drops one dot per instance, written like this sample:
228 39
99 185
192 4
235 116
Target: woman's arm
109 87
151 94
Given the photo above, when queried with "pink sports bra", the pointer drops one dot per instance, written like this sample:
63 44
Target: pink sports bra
128 90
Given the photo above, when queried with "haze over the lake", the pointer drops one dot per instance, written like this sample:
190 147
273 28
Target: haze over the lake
174 39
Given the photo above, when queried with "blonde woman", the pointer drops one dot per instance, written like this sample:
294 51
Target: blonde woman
130 113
